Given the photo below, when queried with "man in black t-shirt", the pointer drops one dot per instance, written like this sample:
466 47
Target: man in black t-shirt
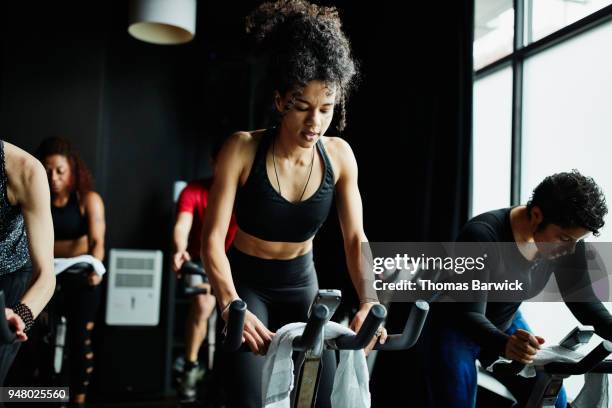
548 234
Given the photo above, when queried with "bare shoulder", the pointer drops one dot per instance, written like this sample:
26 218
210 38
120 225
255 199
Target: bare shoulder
337 146
237 155
21 167
245 139
242 144
25 174
340 154
92 198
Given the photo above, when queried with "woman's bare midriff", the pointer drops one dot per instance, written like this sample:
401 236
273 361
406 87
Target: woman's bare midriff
70 248
254 246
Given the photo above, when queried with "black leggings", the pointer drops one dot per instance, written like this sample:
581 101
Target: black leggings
78 301
277 292
13 285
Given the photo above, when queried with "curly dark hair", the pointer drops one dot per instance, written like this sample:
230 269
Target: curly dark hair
81 176
302 42
570 200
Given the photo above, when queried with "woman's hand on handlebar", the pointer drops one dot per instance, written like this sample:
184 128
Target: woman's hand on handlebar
178 259
523 346
16 324
255 334
357 322
93 279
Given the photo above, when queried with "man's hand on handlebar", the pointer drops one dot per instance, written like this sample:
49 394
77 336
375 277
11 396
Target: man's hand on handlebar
357 322
178 259
15 323
523 346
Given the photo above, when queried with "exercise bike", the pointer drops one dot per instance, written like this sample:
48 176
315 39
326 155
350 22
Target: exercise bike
550 376
193 276
310 344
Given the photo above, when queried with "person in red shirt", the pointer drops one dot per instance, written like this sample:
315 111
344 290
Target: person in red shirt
191 210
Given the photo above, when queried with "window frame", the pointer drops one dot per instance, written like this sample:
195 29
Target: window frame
516 60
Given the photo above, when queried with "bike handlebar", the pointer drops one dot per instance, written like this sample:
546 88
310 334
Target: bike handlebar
314 327
412 329
320 314
79 268
362 338
235 325
592 362
192 268
7 335
586 364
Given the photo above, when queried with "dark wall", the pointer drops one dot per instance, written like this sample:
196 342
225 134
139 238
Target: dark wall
409 122
408 119
51 80
410 127
143 116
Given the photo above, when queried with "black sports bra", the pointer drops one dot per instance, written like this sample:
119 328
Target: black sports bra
68 222
262 212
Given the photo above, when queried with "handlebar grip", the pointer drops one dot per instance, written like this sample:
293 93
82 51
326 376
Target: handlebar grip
603 367
235 325
80 267
588 362
192 268
412 329
314 326
7 336
189 291
375 317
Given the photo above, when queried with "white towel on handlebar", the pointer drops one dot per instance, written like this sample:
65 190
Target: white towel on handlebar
594 394
545 355
351 382
61 264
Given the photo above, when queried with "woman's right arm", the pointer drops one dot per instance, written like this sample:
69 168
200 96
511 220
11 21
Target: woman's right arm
32 194
230 164
218 214
180 239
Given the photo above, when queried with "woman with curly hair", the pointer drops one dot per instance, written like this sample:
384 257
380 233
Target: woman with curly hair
79 225
282 181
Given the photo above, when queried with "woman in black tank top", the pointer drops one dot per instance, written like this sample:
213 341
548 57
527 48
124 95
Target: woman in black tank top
282 182
79 225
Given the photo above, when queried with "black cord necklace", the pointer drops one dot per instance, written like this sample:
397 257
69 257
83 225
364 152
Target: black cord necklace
276 172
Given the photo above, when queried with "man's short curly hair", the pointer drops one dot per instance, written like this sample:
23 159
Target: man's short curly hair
570 200
302 42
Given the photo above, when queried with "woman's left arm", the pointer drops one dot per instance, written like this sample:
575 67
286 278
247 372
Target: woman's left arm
94 209
350 213
96 228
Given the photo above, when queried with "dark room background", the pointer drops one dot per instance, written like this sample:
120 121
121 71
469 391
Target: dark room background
143 116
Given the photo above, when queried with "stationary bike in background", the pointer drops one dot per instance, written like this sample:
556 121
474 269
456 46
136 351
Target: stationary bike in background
193 276
550 376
